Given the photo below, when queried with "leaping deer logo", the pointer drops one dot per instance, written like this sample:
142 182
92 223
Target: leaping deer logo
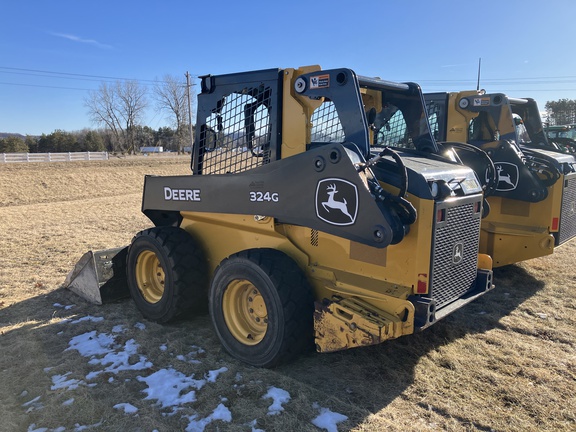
337 201
336 205
457 252
504 177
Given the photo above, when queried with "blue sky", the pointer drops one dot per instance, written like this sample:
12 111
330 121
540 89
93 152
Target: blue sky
52 53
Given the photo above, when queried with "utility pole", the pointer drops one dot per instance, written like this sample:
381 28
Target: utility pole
189 112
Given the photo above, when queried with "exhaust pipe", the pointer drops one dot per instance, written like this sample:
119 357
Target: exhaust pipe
100 277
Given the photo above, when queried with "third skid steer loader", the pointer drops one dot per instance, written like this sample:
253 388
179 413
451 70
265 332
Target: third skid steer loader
298 223
563 136
532 205
530 128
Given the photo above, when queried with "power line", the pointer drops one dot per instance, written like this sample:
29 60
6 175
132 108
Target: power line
80 75
75 74
70 76
53 76
44 86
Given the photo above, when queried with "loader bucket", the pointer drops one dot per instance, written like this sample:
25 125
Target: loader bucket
100 276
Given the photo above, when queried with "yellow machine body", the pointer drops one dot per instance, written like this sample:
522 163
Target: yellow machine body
514 230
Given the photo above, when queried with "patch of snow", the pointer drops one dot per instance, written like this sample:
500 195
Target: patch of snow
68 402
327 419
79 428
37 398
103 350
87 318
58 305
33 405
91 343
191 356
221 412
62 382
118 329
167 386
33 428
163 347
278 397
126 407
140 326
211 376
253 424
120 361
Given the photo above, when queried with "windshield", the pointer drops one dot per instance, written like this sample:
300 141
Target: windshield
397 119
568 133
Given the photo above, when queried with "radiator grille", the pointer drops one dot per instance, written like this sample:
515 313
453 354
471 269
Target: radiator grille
568 215
452 275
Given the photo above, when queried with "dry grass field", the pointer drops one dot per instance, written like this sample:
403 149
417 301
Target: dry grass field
506 362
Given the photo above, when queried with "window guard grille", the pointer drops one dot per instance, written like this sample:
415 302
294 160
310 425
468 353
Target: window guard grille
236 136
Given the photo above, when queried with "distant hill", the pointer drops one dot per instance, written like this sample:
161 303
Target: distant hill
8 134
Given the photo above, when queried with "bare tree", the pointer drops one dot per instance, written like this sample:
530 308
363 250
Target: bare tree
171 97
119 108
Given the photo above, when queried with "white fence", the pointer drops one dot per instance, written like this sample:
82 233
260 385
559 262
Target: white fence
52 157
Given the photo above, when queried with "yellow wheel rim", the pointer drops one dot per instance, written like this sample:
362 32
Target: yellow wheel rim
245 312
150 276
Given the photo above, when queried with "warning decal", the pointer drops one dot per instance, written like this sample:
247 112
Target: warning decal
320 81
481 101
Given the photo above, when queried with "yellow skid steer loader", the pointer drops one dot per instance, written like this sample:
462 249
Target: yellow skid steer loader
531 207
308 220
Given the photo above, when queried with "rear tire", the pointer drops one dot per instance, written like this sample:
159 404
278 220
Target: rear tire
166 273
262 307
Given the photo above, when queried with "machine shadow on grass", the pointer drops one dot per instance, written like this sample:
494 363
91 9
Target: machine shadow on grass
357 382
371 378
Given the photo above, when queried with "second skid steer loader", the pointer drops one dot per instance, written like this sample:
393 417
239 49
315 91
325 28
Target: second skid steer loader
300 226
530 205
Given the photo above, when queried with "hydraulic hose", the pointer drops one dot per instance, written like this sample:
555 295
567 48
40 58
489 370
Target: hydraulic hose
405 210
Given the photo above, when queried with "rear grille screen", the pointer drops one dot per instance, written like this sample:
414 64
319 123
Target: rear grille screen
455 252
568 214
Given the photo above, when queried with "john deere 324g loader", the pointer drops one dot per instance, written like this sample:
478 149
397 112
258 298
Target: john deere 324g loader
299 225
532 205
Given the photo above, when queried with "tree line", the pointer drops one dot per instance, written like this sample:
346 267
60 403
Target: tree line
90 140
118 109
561 112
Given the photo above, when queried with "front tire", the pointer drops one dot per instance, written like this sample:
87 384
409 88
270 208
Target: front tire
167 274
262 307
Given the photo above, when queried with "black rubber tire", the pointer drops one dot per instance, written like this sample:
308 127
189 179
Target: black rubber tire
288 300
184 288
